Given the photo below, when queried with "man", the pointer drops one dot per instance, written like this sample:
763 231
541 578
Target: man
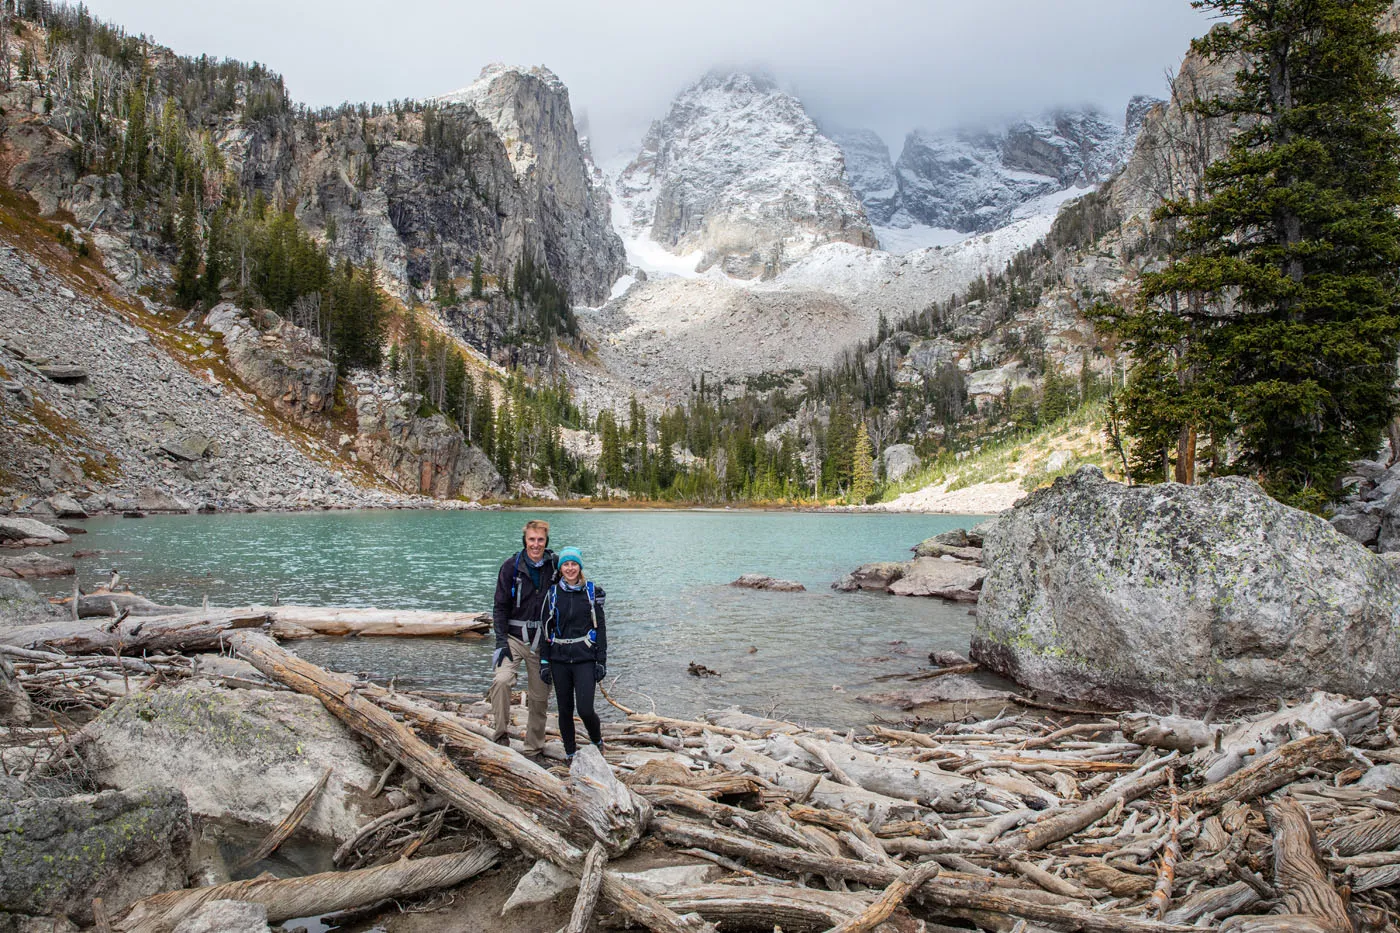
521 585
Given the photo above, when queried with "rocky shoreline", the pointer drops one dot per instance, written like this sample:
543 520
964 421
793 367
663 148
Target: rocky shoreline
1112 822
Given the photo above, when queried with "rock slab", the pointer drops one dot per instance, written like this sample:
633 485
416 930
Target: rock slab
61 852
758 581
1187 594
248 755
945 579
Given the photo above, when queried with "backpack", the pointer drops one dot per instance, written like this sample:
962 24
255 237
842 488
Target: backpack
551 603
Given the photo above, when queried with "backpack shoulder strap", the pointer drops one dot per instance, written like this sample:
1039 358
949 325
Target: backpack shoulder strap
592 610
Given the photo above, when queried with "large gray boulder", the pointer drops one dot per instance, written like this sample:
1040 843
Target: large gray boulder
59 853
900 461
1170 593
15 530
247 755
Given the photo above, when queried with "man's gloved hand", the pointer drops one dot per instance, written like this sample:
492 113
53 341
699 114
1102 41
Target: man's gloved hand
499 657
600 670
546 674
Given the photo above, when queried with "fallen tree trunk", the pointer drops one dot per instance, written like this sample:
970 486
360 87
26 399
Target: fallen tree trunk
1244 743
923 782
759 906
588 885
504 820
1058 824
303 621
103 604
807 787
1373 835
1309 900
311 895
888 902
1270 772
1062 912
190 631
607 812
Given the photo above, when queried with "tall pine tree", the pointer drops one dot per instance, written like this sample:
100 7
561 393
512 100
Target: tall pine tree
1291 260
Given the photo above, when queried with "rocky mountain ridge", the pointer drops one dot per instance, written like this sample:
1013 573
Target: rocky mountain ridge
974 180
738 171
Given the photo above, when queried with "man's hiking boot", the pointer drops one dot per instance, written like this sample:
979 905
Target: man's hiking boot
504 740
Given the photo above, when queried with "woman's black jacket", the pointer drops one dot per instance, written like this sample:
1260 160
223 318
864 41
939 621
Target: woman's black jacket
566 616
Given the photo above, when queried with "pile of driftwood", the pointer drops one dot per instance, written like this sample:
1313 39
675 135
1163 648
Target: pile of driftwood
1134 823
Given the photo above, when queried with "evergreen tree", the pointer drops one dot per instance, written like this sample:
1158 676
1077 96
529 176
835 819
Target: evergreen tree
478 279
187 287
213 262
862 474
1277 327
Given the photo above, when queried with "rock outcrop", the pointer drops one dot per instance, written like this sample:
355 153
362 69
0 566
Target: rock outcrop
248 755
282 363
570 214
61 852
1193 595
738 170
423 455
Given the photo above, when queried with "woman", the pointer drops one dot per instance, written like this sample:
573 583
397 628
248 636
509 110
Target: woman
574 654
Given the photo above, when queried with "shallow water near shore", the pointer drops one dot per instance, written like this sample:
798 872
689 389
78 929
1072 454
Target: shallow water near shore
804 656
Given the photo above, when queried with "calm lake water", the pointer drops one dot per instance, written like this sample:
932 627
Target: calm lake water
806 656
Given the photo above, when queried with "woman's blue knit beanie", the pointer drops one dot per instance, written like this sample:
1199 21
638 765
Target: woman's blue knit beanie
571 554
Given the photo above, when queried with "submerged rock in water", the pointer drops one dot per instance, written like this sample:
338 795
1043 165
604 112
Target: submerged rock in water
61 852
945 579
874 576
758 581
248 755
33 566
1189 594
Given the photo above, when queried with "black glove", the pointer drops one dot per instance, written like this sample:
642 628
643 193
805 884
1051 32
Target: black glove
600 670
546 674
500 656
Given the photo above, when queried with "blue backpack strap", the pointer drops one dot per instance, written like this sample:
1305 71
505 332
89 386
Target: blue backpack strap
515 581
592 612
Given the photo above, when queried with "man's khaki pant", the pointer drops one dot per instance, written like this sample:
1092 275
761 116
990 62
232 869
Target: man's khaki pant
536 694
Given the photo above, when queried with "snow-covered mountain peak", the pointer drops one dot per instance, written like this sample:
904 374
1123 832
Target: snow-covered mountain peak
739 171
977 180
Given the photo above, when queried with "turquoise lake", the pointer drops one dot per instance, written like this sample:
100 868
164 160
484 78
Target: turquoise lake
805 656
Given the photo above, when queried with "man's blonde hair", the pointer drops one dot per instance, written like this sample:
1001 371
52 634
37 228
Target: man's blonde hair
536 524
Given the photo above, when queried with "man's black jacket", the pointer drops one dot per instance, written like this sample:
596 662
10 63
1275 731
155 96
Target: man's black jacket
517 597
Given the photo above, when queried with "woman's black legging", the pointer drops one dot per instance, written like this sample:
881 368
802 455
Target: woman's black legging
573 684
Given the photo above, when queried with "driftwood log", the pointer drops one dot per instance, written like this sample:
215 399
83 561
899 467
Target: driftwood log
189 631
505 820
311 895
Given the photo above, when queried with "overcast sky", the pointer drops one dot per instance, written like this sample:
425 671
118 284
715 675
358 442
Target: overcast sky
890 65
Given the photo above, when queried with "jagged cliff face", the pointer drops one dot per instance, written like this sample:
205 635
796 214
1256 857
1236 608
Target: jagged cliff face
738 170
974 182
560 196
404 190
870 172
